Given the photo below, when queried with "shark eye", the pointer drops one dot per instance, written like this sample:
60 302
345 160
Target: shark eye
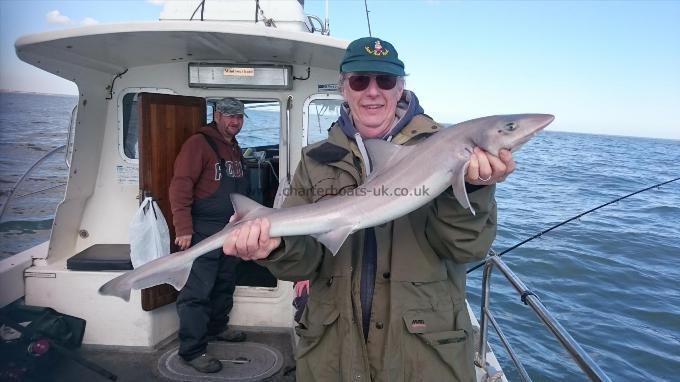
511 126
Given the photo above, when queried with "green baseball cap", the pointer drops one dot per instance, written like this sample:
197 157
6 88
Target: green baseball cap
230 106
372 54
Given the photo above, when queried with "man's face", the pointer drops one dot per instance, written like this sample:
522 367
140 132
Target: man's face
228 124
373 108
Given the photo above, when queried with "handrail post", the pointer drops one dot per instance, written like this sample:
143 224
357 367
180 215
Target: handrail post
589 367
480 359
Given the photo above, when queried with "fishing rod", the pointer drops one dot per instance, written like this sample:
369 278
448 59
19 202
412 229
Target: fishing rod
572 219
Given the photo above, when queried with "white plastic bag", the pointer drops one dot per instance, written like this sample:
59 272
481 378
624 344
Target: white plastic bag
149 235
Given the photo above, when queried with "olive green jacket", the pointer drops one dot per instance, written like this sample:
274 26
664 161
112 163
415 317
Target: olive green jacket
420 329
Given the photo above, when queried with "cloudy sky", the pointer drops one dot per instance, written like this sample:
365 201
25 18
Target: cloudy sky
601 67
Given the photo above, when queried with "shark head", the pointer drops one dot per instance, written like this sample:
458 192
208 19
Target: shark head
506 131
491 134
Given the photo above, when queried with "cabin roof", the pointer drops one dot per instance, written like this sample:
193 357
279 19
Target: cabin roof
113 48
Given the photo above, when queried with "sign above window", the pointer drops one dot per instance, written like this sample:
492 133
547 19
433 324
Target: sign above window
240 76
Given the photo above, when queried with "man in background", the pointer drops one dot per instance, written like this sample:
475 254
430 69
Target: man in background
208 168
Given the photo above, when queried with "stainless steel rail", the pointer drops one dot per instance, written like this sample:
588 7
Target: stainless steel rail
10 195
504 340
589 367
289 106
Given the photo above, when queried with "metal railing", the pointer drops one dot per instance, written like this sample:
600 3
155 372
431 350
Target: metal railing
589 367
10 195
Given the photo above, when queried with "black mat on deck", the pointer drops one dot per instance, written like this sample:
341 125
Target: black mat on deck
102 257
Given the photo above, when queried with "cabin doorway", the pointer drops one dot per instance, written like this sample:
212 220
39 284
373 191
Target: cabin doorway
154 128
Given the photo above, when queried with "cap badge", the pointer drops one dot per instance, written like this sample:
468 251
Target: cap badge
377 50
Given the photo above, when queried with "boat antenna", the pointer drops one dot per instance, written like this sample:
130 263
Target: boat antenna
574 218
200 5
368 20
326 26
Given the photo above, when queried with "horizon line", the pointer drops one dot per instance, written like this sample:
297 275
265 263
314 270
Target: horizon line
445 123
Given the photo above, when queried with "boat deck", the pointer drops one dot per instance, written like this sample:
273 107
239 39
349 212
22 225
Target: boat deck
267 355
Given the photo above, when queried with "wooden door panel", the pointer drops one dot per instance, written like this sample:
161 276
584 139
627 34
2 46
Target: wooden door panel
166 121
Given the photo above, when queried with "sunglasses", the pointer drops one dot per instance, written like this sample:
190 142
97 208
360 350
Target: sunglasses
360 82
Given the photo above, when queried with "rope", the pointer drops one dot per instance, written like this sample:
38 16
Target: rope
574 218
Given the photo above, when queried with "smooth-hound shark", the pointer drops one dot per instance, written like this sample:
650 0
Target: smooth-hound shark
420 172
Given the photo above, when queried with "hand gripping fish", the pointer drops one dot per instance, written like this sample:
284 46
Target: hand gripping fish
433 165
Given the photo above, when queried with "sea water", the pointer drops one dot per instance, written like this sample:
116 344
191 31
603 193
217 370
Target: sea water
611 277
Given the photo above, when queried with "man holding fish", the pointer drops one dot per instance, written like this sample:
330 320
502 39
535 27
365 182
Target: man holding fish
391 304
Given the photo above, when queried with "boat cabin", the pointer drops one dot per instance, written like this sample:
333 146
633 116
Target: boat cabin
144 88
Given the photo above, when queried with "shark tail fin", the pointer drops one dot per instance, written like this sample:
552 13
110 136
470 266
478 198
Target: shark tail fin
138 278
246 207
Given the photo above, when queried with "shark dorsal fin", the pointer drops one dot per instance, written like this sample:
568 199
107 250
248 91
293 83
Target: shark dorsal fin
384 154
246 207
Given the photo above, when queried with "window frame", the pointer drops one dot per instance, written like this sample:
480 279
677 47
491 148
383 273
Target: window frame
306 114
120 121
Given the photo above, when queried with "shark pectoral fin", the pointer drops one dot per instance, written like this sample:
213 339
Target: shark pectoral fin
246 207
334 239
458 185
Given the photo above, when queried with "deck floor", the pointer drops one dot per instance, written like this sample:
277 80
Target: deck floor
136 366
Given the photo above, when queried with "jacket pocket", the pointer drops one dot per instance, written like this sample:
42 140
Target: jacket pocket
443 354
453 348
313 325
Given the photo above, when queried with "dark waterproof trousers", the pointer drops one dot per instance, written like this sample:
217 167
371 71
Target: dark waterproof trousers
203 305
205 301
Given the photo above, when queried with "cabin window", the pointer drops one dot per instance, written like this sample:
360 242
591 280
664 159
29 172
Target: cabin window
209 110
128 122
320 111
261 127
259 138
130 125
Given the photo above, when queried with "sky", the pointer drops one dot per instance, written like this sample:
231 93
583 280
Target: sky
604 67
